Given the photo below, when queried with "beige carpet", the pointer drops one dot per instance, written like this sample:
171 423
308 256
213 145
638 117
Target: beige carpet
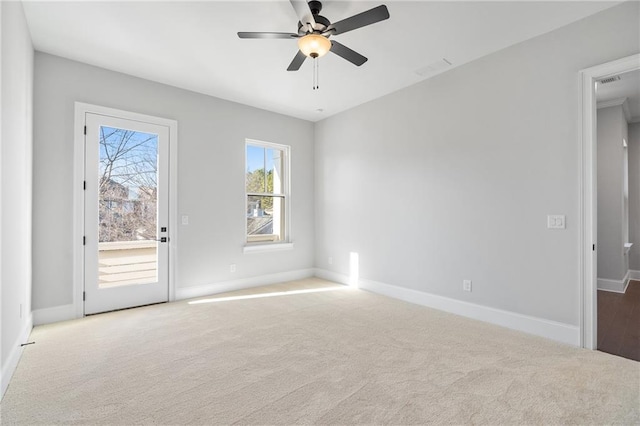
332 357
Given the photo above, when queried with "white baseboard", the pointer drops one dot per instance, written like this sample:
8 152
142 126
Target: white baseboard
55 314
560 332
332 276
14 356
615 286
225 286
68 312
634 275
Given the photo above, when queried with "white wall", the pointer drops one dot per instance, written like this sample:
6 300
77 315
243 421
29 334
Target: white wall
16 183
453 178
211 143
634 195
612 262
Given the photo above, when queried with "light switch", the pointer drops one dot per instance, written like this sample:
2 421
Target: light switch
556 221
185 219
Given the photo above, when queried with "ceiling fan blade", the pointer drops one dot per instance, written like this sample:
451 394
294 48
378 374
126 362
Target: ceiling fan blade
304 13
348 54
267 35
297 61
360 20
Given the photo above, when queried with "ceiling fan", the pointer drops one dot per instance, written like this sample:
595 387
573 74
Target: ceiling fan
314 31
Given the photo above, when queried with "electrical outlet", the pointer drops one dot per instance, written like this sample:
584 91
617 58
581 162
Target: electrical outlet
330 260
232 267
466 285
556 221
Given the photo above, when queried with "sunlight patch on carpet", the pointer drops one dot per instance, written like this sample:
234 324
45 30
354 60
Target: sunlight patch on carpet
274 294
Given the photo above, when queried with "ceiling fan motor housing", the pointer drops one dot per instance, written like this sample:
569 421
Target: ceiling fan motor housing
321 25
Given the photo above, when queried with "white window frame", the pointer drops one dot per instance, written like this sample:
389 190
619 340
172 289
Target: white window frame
287 242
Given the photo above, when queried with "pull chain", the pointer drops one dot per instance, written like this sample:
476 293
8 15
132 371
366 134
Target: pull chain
316 73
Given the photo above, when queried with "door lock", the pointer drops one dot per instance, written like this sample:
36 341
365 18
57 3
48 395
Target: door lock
162 239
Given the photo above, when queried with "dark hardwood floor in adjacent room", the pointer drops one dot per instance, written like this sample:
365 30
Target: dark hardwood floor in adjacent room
619 322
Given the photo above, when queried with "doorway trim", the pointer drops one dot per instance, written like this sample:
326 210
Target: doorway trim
78 193
588 195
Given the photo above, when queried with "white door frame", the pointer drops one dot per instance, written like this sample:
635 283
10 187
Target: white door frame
78 193
589 194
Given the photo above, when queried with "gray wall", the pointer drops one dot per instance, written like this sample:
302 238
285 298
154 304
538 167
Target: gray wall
634 195
211 137
612 263
453 178
15 179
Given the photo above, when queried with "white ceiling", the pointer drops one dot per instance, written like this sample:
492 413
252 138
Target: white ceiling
193 45
627 87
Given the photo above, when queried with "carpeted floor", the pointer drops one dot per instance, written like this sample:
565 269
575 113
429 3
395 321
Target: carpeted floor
338 356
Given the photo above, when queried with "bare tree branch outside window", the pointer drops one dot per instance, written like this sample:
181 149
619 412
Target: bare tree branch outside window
128 185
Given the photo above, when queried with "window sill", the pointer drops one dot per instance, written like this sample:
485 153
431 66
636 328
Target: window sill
257 248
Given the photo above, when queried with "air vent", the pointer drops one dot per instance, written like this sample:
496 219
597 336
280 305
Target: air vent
609 79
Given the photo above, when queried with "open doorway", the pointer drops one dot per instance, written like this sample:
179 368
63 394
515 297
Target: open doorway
590 244
618 204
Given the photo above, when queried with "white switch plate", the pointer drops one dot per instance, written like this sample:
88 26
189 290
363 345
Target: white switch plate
466 285
232 267
185 219
556 221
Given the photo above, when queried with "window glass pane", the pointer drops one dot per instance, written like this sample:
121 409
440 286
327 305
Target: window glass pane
265 174
274 165
255 173
128 193
265 218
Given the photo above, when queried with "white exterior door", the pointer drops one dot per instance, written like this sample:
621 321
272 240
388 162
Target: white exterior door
126 213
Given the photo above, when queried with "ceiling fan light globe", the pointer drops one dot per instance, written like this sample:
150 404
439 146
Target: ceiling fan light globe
314 45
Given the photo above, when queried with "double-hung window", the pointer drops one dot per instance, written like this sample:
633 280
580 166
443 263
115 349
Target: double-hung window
267 192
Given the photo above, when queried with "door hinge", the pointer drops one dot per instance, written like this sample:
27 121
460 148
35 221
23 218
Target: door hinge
84 296
84 241
85 130
84 185
594 247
